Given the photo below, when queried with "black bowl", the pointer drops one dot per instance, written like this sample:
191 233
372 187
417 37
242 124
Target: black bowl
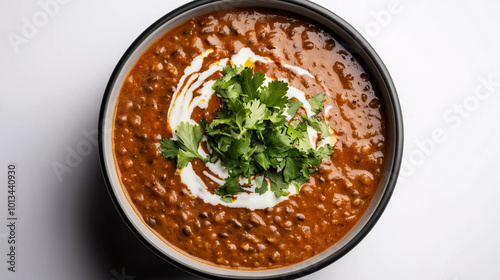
350 39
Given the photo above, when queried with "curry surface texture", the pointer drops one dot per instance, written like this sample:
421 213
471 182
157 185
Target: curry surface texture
329 204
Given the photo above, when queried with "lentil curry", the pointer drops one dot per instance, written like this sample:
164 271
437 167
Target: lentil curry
328 205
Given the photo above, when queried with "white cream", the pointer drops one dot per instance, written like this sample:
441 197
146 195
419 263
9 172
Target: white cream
218 169
247 57
313 136
251 200
300 96
182 108
244 56
299 70
332 139
178 110
205 93
213 178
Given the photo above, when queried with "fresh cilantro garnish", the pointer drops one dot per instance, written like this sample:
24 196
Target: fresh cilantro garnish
318 124
258 112
293 107
278 185
186 148
230 187
316 102
261 184
274 95
251 136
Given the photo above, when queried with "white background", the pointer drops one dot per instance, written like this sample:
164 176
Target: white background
442 221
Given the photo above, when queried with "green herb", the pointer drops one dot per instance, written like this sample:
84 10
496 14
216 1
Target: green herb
231 186
318 124
293 107
251 136
261 184
316 102
186 148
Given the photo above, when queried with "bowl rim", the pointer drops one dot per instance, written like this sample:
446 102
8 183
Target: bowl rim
393 101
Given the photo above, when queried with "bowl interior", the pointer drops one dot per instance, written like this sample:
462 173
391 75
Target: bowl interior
348 37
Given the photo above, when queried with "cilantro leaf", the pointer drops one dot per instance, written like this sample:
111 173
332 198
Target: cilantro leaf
261 185
277 119
185 157
318 124
274 95
227 198
238 148
240 117
299 135
232 97
251 82
187 146
293 107
168 148
231 187
292 169
229 75
278 142
323 152
278 185
316 102
189 136
262 160
258 112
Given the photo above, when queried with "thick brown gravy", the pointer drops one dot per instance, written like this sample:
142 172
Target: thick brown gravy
329 204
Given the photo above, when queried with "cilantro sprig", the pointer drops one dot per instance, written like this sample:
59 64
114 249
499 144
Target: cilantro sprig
186 148
252 137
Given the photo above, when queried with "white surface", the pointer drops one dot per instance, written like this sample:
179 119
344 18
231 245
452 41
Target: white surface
443 219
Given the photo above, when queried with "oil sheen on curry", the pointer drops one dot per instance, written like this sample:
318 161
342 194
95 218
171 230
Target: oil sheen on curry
172 83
